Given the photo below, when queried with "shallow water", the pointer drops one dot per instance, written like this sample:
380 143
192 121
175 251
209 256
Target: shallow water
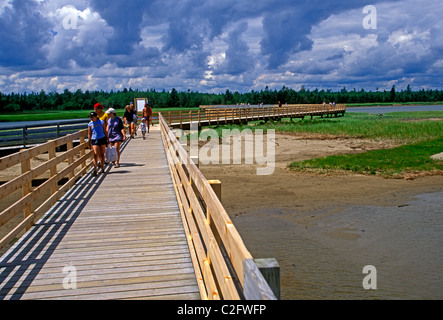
325 259
387 109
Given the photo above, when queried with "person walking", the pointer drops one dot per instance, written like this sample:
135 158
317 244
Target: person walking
98 108
143 128
129 120
147 114
98 139
116 132
135 119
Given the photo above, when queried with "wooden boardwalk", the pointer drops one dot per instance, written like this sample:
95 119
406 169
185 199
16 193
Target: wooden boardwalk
115 236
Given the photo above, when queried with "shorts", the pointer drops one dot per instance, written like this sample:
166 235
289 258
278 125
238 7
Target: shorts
99 142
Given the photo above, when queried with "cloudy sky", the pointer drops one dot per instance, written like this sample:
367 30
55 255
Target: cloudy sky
214 45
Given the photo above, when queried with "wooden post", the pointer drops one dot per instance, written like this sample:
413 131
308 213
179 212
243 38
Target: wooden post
53 169
26 187
216 186
184 143
270 269
83 151
195 160
69 146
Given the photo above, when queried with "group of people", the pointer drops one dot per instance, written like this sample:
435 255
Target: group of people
106 129
332 103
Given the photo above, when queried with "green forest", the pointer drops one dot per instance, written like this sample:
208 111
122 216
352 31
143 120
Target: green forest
79 100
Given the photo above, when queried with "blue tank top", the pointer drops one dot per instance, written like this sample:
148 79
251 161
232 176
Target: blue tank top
97 129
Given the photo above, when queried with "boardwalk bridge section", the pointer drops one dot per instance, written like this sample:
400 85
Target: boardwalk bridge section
152 229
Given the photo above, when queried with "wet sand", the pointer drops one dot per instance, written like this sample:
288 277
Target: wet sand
298 218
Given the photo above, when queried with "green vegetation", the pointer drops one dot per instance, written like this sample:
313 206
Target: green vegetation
420 133
399 126
389 163
79 100
422 138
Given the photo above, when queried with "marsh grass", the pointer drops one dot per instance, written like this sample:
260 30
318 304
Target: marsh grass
360 125
420 133
387 162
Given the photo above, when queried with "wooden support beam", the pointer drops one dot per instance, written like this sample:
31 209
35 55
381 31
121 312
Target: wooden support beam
216 186
195 160
270 269
26 187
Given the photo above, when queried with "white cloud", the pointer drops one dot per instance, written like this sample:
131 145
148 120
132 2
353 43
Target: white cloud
5 4
218 45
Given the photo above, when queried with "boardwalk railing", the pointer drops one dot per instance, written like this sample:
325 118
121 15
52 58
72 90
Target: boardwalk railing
224 267
210 115
33 202
32 134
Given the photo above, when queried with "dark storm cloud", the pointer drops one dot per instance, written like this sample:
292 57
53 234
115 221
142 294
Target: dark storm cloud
23 34
125 18
238 58
214 44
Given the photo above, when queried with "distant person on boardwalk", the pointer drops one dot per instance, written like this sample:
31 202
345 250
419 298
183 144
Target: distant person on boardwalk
147 114
135 119
98 139
98 108
279 104
116 132
143 126
129 119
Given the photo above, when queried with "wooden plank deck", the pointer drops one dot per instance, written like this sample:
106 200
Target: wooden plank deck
120 236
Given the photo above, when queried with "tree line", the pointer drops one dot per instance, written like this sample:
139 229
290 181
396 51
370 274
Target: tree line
79 100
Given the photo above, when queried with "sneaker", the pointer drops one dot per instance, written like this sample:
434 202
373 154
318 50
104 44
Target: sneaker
94 173
117 165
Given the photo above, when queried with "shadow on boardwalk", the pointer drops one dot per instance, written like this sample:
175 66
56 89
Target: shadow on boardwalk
22 263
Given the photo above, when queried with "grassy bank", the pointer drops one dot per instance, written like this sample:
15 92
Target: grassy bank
396 162
420 133
403 126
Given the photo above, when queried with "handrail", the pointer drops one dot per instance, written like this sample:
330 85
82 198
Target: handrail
221 260
33 133
227 115
31 197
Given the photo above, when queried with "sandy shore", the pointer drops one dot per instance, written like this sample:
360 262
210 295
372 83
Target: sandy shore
243 189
